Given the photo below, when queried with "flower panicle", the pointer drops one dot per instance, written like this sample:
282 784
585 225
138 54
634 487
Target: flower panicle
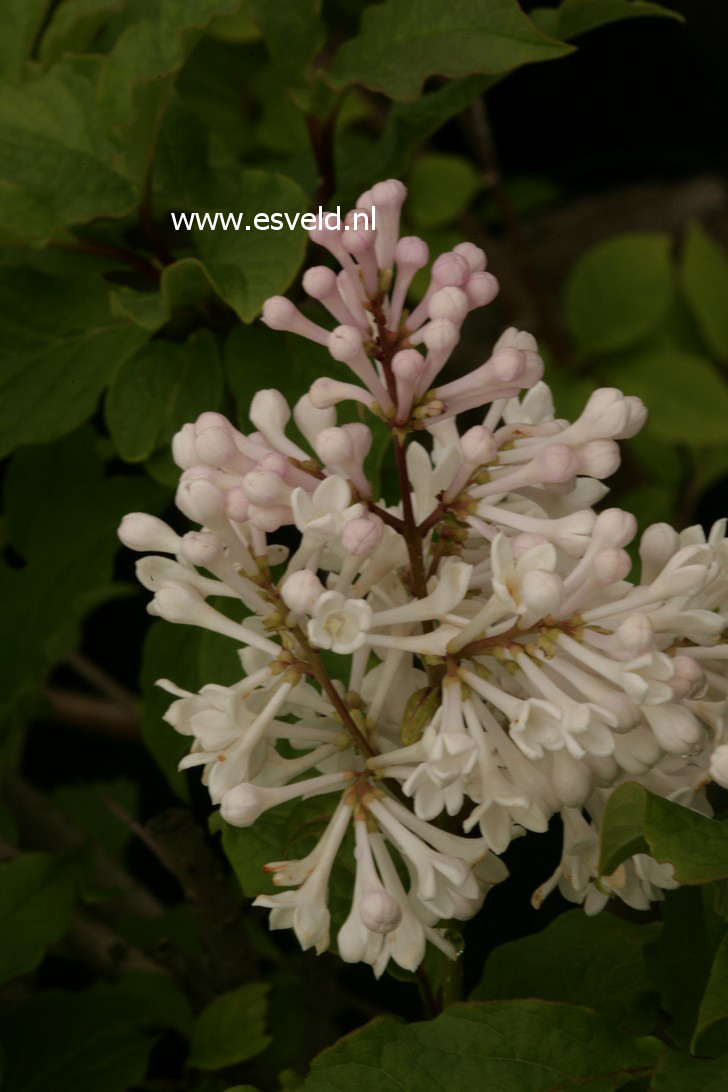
501 662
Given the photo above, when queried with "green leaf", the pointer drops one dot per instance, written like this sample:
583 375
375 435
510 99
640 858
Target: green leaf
22 20
293 33
168 652
92 1039
33 473
158 389
402 42
42 603
619 291
37 896
73 26
149 310
407 127
705 284
441 186
231 1029
712 1023
510 1046
149 52
637 821
59 347
52 148
677 1072
592 961
681 971
575 17
245 267
686 398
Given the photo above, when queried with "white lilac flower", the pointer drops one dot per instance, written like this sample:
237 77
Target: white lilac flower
503 663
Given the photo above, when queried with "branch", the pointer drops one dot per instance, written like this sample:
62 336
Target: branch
93 714
175 839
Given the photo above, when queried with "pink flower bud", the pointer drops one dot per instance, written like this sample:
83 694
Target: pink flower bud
441 336
334 446
480 289
280 314
141 532
635 634
271 518
411 253
542 591
184 447
473 255
599 458
301 591
556 463
236 505
611 565
326 393
380 911
689 679
614 527
345 344
360 537
202 549
658 544
198 498
448 303
319 281
521 543
311 419
478 446
264 487
450 269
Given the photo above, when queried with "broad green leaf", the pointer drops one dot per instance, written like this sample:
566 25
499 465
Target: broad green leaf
149 52
22 20
711 1031
293 32
402 42
73 25
619 291
37 896
169 652
681 971
186 284
149 310
676 1072
231 1029
592 961
23 217
92 1040
59 347
511 1046
33 473
686 398
705 283
247 266
64 575
255 351
441 186
651 504
637 821
575 17
160 388
407 127
52 148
